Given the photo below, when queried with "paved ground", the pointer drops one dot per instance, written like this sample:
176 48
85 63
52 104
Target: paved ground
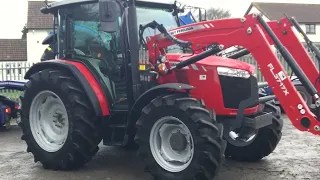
297 157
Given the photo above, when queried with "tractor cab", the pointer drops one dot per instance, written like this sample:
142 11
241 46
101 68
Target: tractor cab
85 37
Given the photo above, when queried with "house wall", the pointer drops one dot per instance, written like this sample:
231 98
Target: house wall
34 44
312 37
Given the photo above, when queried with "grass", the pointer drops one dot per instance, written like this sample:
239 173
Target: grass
12 94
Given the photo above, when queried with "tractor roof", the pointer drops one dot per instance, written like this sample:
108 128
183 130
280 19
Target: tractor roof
52 7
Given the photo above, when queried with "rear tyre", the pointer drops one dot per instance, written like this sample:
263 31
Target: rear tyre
305 95
179 139
58 121
263 143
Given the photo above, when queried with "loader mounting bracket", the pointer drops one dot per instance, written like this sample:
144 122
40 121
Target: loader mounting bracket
258 122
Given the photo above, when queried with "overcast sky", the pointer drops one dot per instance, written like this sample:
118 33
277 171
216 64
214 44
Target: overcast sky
13 14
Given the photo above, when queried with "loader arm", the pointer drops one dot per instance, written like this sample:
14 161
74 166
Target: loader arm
283 30
249 32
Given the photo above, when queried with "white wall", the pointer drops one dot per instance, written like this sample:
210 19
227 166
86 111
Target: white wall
34 44
312 37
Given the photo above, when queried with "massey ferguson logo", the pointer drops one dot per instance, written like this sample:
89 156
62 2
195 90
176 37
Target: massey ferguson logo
280 76
183 30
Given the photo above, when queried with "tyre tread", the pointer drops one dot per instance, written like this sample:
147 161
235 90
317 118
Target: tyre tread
266 141
208 138
83 139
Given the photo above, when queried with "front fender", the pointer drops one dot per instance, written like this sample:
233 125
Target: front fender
84 77
147 96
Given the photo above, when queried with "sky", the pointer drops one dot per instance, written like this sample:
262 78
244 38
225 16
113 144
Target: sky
13 14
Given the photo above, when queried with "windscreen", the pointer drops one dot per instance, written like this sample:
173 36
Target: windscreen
84 24
162 16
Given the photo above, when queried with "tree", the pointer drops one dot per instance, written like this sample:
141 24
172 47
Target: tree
24 32
218 13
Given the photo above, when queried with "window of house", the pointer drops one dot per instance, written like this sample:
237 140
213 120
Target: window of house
310 28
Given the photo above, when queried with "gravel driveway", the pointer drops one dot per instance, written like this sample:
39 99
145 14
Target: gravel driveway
297 157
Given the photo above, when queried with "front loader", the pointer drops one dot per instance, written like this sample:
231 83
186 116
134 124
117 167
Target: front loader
120 77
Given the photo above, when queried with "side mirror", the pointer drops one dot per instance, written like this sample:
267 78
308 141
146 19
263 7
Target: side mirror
109 12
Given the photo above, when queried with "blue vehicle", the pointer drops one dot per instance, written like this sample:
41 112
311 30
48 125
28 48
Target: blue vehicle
9 109
300 88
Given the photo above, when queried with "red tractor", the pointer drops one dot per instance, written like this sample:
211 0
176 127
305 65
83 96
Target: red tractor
120 77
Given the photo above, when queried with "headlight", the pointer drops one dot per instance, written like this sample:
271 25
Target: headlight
225 71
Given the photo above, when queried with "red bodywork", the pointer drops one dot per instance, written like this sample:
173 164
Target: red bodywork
94 85
212 93
248 32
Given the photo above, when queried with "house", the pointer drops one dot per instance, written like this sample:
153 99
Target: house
17 55
13 58
38 27
307 16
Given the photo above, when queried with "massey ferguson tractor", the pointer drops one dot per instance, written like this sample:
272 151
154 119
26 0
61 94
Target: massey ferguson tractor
123 74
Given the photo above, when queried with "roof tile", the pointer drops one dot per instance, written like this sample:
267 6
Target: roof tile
304 13
36 19
13 50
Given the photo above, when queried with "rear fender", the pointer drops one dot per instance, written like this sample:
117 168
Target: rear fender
83 76
152 93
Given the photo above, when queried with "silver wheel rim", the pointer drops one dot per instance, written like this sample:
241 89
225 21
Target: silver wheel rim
170 154
49 121
236 141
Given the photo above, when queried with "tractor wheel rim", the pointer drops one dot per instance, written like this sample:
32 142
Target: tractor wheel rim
236 141
171 144
49 121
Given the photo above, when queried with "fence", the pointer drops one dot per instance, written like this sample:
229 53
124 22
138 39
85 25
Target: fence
249 59
14 71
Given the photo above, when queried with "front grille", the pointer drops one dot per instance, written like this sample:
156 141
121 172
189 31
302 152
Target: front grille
234 90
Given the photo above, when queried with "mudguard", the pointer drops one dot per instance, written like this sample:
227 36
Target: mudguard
90 85
150 94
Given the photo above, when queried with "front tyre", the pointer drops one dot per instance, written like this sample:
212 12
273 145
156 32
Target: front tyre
262 143
58 122
179 139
